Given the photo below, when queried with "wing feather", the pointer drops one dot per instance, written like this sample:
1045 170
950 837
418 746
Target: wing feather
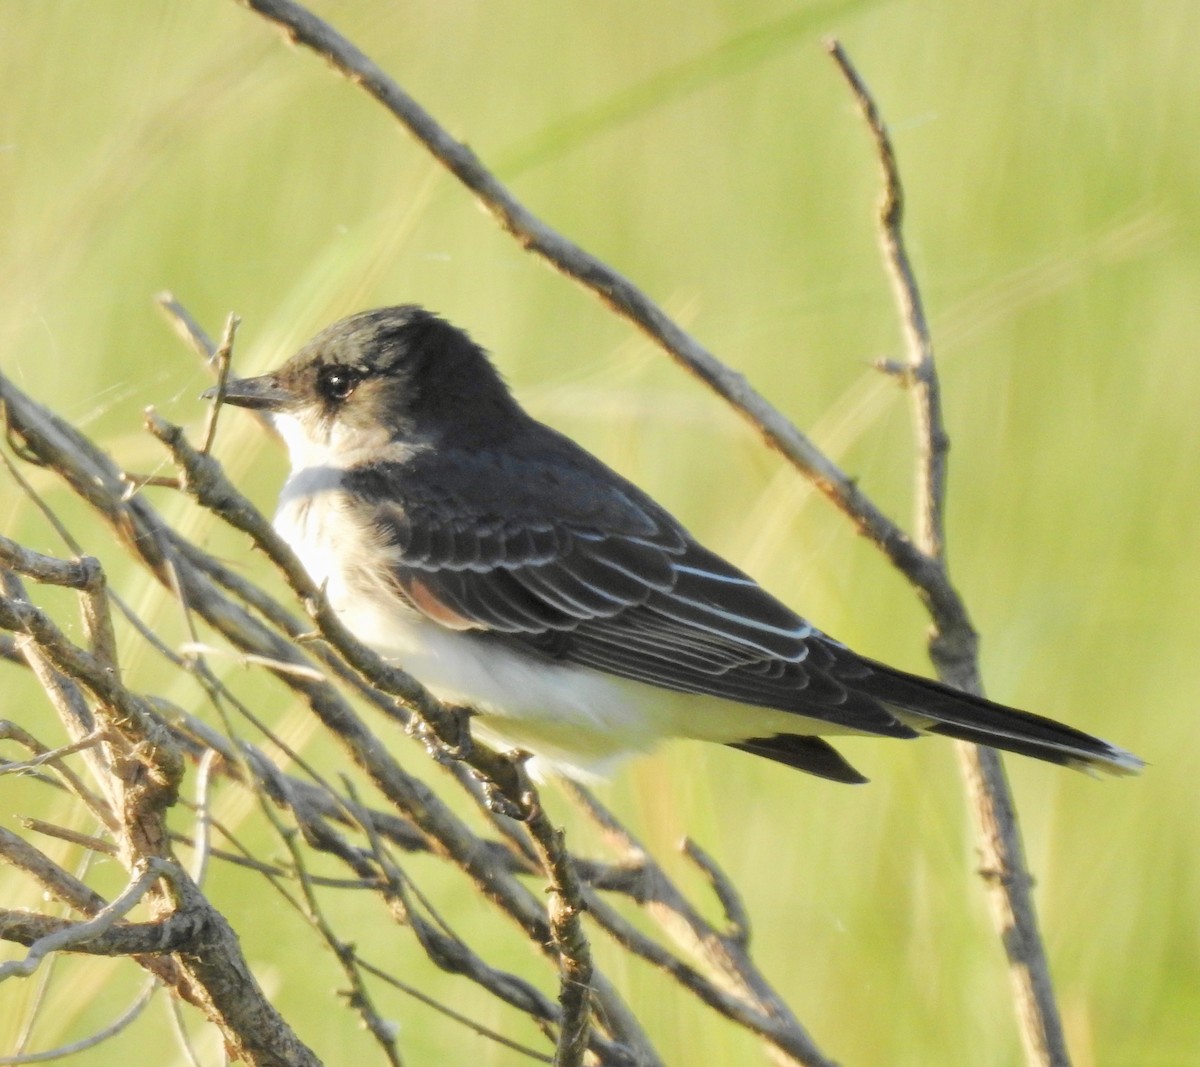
612 583
496 603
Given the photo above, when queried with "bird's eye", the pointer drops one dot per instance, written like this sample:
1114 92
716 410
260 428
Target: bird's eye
337 383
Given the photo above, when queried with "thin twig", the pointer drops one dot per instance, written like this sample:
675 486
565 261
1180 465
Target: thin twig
79 933
224 355
920 370
92 1040
725 891
195 337
10 731
953 644
358 997
741 992
153 940
175 1012
191 332
450 1013
203 844
565 910
55 880
75 714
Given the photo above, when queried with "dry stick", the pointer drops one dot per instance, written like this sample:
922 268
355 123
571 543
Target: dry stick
56 881
450 1013
223 355
71 935
189 330
919 374
175 933
953 643
564 911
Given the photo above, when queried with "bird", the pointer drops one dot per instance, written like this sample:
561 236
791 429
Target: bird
514 573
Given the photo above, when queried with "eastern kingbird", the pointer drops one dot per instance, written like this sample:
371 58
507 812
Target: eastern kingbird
511 571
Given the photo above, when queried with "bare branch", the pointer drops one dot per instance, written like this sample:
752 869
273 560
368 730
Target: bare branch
54 880
222 358
566 907
726 892
52 757
617 292
72 935
954 644
76 573
188 329
920 371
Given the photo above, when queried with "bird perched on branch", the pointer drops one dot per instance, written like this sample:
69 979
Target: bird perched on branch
511 571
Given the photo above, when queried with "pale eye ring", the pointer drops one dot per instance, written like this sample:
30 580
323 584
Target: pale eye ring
337 383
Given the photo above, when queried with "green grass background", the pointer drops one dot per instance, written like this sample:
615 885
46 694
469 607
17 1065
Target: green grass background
709 151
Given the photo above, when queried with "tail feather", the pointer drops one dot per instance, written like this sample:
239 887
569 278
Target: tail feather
805 753
933 707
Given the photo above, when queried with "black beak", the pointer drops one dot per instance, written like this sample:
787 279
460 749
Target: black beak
263 393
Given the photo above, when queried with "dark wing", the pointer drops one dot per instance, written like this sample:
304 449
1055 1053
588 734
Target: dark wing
569 561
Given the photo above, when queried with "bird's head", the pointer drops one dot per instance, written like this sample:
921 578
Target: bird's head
392 376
